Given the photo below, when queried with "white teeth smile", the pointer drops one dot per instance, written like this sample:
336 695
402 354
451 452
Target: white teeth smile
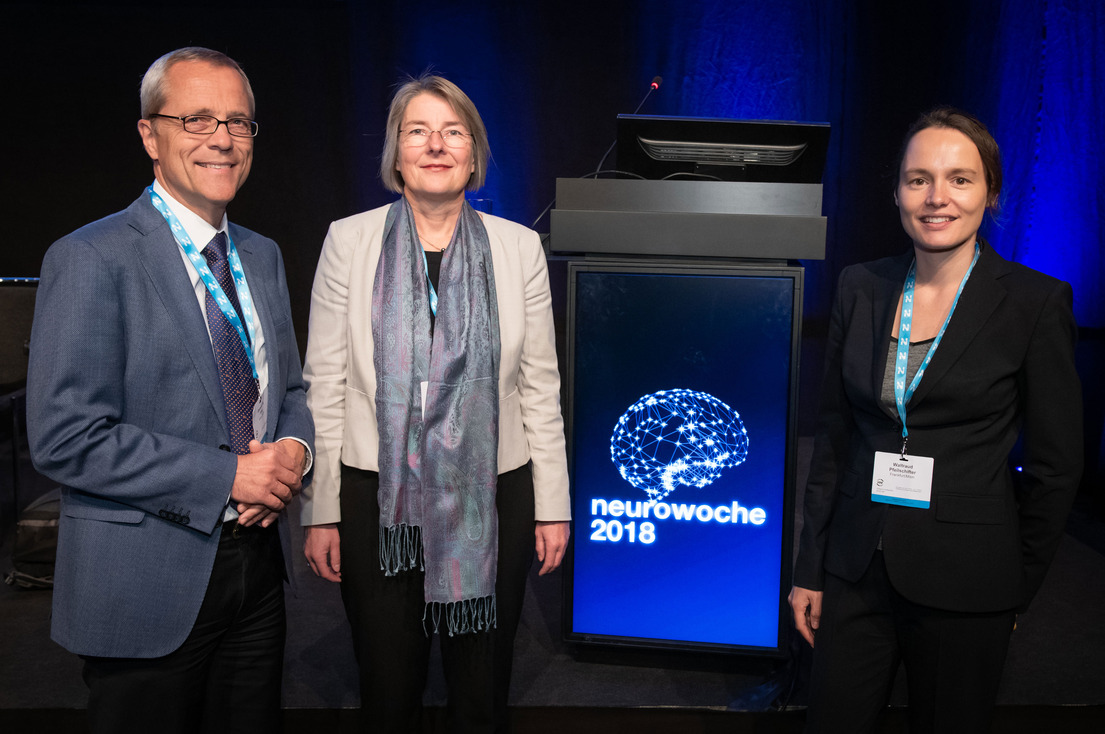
936 220
217 166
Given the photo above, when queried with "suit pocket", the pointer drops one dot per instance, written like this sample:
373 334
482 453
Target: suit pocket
125 515
964 508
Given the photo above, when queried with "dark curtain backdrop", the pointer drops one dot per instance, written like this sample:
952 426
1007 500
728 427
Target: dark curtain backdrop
549 79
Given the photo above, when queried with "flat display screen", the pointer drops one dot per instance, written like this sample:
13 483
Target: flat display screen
722 149
682 385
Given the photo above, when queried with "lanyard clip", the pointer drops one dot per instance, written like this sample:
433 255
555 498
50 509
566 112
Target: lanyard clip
905 442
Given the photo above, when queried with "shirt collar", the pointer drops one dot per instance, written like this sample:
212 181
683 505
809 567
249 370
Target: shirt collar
198 229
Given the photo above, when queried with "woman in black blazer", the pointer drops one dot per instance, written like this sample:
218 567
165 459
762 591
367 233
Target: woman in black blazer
918 545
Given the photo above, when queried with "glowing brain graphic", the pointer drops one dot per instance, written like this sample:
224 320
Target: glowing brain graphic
677 437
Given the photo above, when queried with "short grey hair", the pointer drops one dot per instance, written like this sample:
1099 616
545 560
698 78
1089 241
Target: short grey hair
154 87
469 116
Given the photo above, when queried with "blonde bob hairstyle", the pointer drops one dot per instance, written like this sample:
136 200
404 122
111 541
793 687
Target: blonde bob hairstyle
444 89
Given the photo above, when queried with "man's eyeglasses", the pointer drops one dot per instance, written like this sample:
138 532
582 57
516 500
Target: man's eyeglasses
207 125
416 137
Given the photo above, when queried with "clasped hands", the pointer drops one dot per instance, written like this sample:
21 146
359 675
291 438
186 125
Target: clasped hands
267 479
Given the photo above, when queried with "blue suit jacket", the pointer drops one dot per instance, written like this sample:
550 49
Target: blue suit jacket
125 411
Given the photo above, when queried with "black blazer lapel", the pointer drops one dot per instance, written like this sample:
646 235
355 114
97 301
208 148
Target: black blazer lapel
981 296
885 291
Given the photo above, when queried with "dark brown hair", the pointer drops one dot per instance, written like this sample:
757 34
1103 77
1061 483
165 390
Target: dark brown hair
976 132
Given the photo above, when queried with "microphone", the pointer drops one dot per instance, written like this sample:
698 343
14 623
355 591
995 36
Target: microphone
653 85
656 82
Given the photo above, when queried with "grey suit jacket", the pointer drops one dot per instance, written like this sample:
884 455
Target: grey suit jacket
1005 363
125 411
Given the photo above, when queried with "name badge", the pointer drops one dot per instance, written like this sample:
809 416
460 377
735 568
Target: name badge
902 481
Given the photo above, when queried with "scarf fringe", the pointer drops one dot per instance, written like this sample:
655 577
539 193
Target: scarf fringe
400 549
463 617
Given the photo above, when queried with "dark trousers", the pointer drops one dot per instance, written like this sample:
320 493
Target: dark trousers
226 676
385 613
953 660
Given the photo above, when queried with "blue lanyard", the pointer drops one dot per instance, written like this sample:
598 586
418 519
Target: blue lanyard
430 283
902 394
200 264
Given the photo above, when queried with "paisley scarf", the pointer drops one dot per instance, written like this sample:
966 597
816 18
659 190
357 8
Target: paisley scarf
437 410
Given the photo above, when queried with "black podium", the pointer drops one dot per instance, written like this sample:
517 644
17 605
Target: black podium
775 221
684 321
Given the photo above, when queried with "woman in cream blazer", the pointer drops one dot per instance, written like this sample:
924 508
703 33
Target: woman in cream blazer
342 394
435 148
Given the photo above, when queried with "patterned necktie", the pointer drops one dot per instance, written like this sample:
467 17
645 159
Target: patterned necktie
235 373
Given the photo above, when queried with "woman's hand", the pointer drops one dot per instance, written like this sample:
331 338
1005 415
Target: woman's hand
806 605
322 546
552 543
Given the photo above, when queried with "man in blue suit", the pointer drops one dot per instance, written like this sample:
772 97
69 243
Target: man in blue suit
165 395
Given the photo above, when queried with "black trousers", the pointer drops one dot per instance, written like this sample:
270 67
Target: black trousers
953 660
226 676
385 613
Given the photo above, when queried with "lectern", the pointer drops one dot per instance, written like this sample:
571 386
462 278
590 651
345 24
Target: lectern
729 219
684 320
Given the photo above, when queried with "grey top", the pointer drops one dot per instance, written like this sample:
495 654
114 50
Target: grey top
917 353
